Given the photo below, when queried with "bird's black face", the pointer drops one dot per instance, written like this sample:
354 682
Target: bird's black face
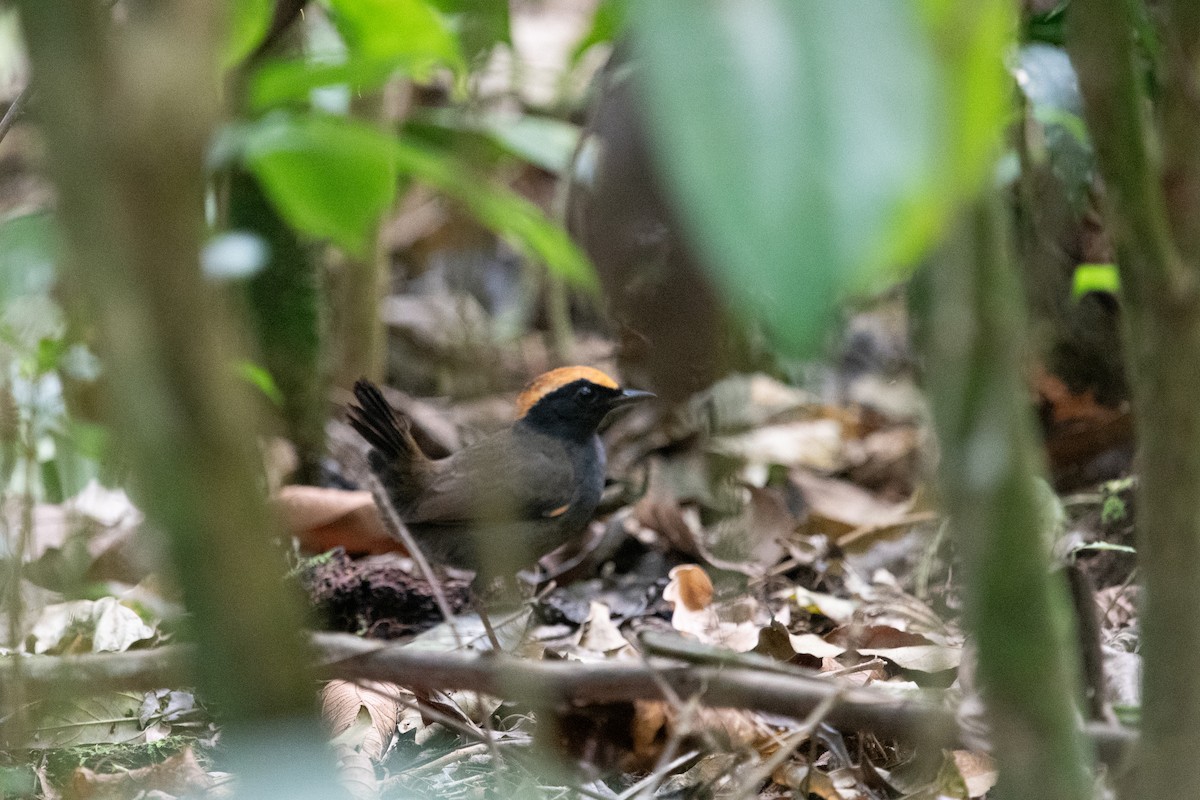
577 409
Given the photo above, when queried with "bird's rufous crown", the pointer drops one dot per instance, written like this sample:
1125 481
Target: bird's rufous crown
547 382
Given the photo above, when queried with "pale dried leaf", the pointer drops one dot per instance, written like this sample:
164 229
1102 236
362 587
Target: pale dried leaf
1122 677
109 507
341 702
838 507
110 626
600 635
116 627
814 444
730 625
837 609
813 645
922 658
978 771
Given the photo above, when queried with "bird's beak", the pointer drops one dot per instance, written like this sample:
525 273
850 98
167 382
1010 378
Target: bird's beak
628 396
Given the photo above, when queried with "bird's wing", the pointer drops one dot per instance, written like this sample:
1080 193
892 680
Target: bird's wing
492 480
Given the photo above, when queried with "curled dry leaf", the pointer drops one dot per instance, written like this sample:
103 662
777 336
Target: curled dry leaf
599 635
730 625
322 519
690 587
342 701
98 626
978 771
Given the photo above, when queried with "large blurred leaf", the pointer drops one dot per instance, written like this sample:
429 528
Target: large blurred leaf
329 177
379 38
248 23
811 146
333 178
409 33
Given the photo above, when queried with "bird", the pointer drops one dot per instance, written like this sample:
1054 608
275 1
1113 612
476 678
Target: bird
504 501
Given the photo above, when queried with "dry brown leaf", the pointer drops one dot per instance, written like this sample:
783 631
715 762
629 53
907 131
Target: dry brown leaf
322 519
838 507
647 730
754 540
177 775
798 775
342 700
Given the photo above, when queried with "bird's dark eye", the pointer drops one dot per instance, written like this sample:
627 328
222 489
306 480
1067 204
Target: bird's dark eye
585 394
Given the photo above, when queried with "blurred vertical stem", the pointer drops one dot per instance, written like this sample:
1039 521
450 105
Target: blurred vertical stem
989 464
1153 193
360 282
127 110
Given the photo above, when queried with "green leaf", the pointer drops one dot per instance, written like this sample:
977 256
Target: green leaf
545 142
249 21
329 177
278 83
521 222
332 177
1095 278
407 33
260 378
607 23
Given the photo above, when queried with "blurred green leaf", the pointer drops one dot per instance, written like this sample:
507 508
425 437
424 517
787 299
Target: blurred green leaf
260 378
545 142
1095 278
333 178
480 24
283 82
607 22
249 21
28 250
409 34
814 151
521 222
329 177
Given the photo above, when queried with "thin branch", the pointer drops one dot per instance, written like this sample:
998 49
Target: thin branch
15 110
922 717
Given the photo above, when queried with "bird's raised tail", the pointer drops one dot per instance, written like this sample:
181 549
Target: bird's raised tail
395 455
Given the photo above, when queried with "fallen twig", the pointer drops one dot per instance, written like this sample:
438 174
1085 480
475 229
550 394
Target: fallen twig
922 718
